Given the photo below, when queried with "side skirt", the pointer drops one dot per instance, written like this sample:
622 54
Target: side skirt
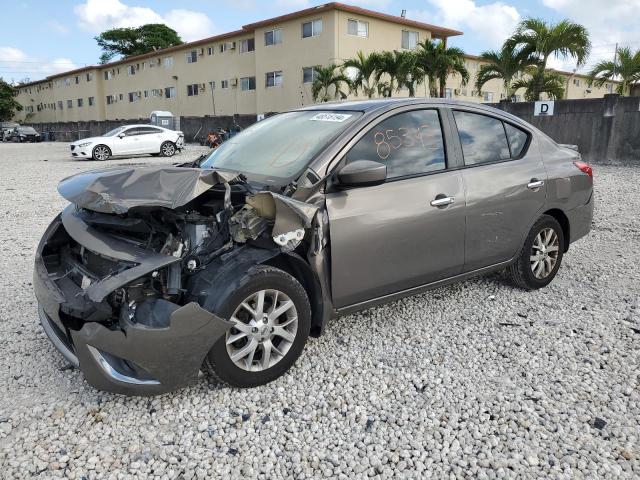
419 289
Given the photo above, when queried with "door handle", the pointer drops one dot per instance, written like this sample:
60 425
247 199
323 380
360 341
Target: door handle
442 201
534 184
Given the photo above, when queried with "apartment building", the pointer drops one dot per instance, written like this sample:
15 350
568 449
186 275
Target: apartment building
267 66
264 67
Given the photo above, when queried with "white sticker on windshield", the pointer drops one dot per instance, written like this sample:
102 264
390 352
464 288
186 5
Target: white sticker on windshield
330 117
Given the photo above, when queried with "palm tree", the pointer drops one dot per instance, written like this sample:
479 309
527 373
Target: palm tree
439 62
400 69
327 79
626 67
551 83
505 64
365 67
426 59
540 40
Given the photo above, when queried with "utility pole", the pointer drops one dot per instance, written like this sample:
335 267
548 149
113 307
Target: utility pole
615 62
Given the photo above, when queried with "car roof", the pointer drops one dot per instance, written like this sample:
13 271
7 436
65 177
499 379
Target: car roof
367 106
140 125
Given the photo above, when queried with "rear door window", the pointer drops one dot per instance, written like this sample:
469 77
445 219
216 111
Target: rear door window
409 143
482 137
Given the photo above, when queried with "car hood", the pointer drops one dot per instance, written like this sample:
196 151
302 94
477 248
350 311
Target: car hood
118 189
90 139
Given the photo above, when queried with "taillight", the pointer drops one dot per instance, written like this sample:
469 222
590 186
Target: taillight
584 167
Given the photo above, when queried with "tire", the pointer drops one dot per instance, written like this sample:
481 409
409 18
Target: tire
168 149
532 273
283 352
101 153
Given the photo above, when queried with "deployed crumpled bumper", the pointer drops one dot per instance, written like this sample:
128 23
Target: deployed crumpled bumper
156 348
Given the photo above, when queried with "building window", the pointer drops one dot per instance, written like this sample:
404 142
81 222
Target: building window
576 82
89 76
210 51
80 102
224 84
120 96
487 96
131 69
69 103
134 97
60 104
67 82
77 79
247 45
212 84
248 83
309 74
273 37
312 28
448 93
192 56
168 62
358 28
409 40
192 90
170 92
273 79
227 46
108 75
90 101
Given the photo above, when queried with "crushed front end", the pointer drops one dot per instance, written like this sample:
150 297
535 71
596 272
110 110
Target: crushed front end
113 271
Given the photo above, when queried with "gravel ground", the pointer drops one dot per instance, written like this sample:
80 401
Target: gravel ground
476 380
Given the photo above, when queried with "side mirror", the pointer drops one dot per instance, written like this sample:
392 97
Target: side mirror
362 173
121 135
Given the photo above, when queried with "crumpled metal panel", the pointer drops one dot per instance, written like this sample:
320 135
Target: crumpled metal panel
116 190
289 214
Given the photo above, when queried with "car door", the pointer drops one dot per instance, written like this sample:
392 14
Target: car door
150 139
505 183
127 142
408 231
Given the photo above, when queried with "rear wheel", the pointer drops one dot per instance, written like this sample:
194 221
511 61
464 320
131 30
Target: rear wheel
541 255
272 318
168 149
101 152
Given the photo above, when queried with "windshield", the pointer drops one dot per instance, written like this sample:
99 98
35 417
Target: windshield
280 146
26 130
113 132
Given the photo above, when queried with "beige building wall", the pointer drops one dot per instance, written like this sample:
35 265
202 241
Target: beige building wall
168 81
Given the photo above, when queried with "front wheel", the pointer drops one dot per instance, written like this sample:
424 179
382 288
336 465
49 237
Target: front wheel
101 153
168 149
272 318
541 255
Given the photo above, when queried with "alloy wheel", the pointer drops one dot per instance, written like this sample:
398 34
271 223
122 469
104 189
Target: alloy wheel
544 253
266 324
101 153
168 149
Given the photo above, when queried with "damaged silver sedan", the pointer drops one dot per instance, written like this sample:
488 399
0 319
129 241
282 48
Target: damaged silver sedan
229 263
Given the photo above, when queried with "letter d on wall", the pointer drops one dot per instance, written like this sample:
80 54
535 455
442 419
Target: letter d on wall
543 108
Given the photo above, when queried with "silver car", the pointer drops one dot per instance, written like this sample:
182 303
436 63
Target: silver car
230 262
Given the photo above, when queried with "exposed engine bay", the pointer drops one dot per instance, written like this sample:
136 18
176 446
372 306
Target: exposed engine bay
125 257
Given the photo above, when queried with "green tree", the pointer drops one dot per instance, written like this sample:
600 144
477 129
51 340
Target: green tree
505 64
625 69
439 62
8 103
535 83
128 42
540 40
365 69
328 84
402 71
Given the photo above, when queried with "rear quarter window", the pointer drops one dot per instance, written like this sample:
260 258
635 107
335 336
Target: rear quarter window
517 139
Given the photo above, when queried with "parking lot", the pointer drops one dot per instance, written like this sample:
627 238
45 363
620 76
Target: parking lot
475 380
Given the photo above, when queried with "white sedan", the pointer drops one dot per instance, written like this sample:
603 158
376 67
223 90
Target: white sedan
130 140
